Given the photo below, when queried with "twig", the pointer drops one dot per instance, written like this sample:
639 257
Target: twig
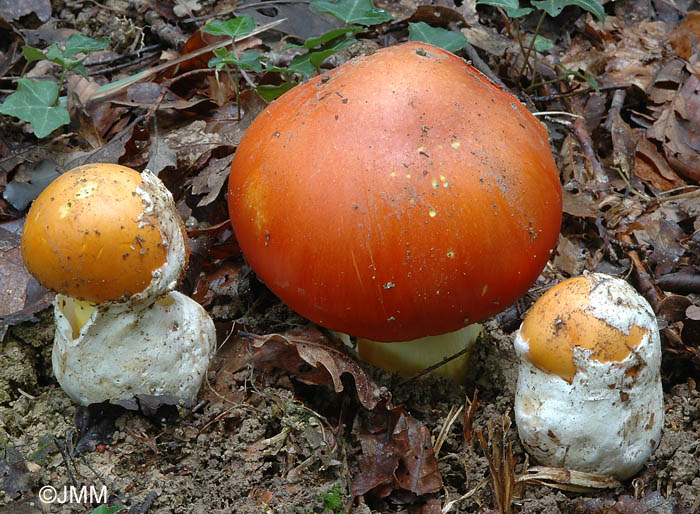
445 429
480 65
556 96
646 287
601 179
221 14
115 88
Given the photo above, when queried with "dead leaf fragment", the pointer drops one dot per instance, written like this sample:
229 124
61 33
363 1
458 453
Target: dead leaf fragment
678 129
396 452
11 10
685 38
652 167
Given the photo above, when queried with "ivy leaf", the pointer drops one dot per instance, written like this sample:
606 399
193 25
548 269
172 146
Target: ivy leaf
35 102
32 54
313 42
269 92
78 43
233 28
555 7
105 509
511 7
361 12
542 44
307 64
251 60
446 39
54 54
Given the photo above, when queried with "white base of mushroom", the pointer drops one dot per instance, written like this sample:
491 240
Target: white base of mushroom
156 348
607 421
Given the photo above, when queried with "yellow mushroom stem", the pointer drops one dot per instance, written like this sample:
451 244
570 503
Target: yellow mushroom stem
411 357
78 312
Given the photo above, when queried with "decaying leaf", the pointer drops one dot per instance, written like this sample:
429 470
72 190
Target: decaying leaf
685 38
396 452
21 296
395 449
211 179
296 350
678 129
652 167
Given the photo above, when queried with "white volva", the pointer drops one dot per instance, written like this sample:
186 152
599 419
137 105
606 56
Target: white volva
608 420
160 347
158 201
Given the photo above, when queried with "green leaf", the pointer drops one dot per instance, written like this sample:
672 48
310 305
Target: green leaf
233 28
78 43
268 92
104 509
445 39
591 80
309 63
32 54
554 7
54 54
542 44
360 12
35 102
251 60
511 7
313 42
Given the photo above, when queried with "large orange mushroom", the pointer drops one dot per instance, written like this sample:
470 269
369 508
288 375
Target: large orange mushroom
398 196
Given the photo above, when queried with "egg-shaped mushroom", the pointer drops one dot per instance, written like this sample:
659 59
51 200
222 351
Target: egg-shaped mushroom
110 241
398 196
589 394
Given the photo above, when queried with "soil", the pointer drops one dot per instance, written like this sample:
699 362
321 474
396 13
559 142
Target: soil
261 446
264 441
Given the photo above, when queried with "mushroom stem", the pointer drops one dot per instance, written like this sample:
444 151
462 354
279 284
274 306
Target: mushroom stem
411 357
77 312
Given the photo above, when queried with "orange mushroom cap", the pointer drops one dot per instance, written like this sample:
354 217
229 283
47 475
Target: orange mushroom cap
91 235
563 319
397 196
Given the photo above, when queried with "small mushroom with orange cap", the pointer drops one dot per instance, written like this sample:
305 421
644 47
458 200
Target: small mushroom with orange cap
589 394
111 243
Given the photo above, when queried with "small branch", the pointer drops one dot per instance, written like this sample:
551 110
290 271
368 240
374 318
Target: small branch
601 179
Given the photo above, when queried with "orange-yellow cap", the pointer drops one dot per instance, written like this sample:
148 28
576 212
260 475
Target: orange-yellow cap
563 319
93 234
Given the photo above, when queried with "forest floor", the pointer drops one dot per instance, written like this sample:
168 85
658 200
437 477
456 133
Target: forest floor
270 432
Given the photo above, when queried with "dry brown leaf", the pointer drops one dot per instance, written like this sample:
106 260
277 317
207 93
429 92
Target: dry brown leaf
685 38
678 129
396 452
652 167
396 449
20 295
211 179
580 205
298 350
664 237
11 10
569 257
